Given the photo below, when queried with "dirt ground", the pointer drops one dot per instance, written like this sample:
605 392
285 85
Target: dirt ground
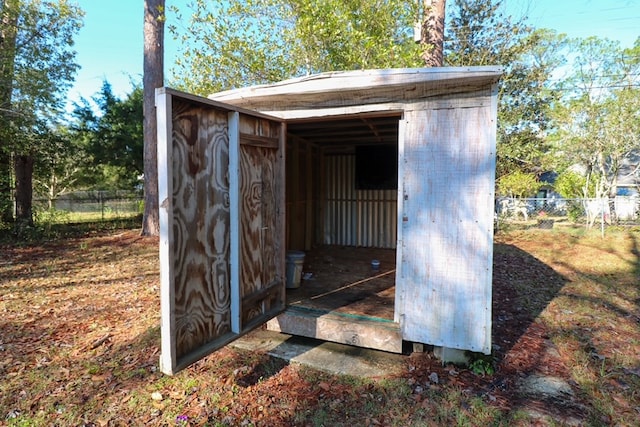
79 345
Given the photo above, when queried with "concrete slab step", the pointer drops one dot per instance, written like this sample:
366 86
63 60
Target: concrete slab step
325 356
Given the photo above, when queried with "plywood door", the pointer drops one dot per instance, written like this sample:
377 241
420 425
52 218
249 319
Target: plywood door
221 224
445 247
261 211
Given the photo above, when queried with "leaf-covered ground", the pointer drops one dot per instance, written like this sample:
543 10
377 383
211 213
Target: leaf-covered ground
79 345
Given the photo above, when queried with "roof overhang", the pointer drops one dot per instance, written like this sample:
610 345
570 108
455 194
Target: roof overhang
363 107
365 87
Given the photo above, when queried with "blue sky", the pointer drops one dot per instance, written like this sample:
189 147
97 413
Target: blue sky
109 45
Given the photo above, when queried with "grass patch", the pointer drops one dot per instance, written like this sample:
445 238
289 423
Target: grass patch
44 231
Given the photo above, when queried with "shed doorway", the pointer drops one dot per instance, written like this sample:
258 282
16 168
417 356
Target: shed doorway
341 210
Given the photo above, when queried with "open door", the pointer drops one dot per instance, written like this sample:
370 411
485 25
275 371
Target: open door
222 264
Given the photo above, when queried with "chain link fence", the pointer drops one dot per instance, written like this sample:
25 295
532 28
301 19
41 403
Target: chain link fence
88 206
558 212
510 213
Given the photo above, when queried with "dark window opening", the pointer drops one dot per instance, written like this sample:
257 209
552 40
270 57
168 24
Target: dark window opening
376 167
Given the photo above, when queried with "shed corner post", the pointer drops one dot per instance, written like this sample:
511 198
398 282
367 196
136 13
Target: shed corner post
165 203
234 211
398 315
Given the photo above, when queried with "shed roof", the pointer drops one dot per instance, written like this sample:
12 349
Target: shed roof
350 88
360 107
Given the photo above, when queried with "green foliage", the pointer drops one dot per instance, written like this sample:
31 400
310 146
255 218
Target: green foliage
113 138
482 366
597 125
228 44
42 70
518 184
572 185
44 61
59 168
480 33
352 34
51 216
37 67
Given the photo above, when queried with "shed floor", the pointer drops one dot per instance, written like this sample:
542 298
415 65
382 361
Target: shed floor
341 280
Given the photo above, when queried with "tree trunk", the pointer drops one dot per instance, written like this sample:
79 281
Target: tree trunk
153 78
433 33
6 199
23 166
9 11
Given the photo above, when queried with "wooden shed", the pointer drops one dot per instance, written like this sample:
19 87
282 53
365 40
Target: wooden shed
394 165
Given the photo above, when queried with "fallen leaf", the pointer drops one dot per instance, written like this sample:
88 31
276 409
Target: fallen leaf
176 394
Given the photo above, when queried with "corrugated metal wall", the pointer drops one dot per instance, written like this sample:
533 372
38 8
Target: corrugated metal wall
356 217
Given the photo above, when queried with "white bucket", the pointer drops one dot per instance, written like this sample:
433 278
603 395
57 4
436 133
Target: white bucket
295 262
